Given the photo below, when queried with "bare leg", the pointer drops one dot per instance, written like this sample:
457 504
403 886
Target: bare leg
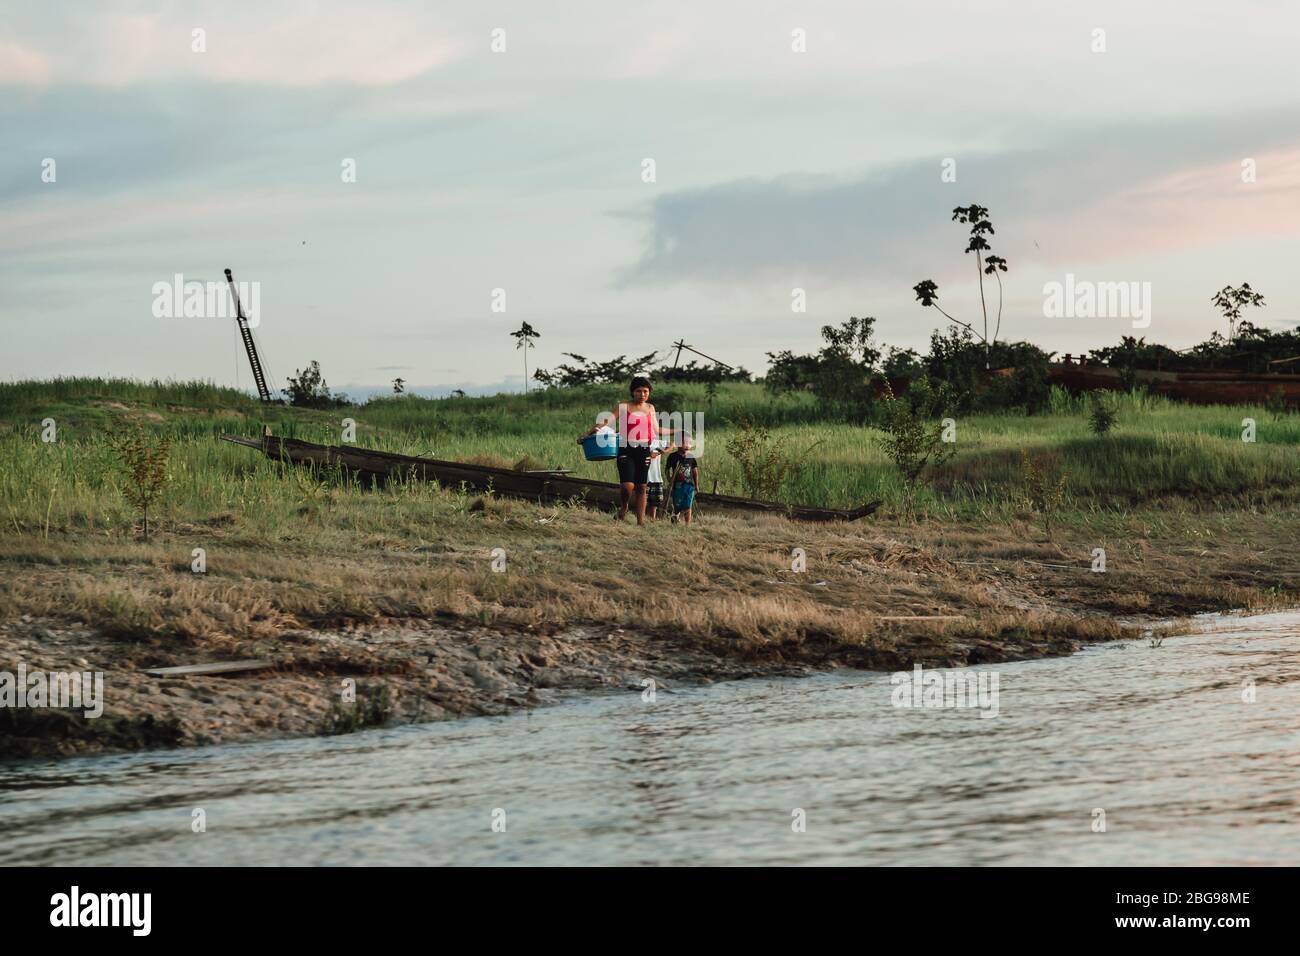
624 496
640 504
689 512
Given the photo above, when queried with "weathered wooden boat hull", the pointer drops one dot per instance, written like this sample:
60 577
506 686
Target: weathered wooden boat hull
1209 387
379 466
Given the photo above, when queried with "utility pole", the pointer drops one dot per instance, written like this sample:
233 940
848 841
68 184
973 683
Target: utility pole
681 344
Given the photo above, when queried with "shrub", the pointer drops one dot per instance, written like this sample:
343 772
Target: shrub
1101 414
913 439
765 463
1044 491
1275 401
143 461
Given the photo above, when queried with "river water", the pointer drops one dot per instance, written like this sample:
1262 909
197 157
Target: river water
1158 739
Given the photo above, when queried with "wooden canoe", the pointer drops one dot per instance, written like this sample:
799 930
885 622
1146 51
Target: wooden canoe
379 466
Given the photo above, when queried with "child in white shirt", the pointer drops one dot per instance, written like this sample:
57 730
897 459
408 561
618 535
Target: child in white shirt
654 488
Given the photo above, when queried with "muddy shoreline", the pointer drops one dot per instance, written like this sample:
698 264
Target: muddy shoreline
404 672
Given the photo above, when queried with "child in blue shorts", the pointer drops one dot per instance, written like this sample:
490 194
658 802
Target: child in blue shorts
683 480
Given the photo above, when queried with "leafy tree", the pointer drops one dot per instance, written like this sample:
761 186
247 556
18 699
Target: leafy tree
307 389
524 340
957 359
841 374
1232 301
902 364
1025 386
788 372
927 292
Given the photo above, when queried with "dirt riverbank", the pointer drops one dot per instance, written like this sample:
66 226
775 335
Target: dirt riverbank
335 681
425 634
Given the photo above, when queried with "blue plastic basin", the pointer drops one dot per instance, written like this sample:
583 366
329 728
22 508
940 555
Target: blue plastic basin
602 446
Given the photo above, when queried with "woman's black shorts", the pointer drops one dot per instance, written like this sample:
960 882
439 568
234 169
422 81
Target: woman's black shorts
633 465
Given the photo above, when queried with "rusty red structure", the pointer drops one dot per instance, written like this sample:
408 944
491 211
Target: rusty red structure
1200 387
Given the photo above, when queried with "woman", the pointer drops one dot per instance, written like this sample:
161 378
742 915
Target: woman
638 430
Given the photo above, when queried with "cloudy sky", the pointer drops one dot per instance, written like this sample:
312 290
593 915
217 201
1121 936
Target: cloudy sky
522 170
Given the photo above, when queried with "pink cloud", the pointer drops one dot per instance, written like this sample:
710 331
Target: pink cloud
1192 207
20 66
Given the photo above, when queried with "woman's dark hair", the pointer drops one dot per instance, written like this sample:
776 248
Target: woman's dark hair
639 382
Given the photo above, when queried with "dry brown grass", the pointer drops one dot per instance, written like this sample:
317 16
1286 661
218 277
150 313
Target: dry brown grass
401 590
726 582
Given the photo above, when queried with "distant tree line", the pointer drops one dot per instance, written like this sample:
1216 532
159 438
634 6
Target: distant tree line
585 371
1252 349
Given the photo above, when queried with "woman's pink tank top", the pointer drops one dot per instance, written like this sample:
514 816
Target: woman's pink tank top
638 427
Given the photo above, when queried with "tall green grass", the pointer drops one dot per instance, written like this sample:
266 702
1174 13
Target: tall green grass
1158 448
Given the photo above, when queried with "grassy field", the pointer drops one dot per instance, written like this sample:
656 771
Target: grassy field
1158 450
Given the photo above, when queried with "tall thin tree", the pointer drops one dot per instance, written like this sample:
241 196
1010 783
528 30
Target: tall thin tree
927 292
524 340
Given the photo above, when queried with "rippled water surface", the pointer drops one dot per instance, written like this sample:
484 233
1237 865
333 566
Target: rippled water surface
1159 738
